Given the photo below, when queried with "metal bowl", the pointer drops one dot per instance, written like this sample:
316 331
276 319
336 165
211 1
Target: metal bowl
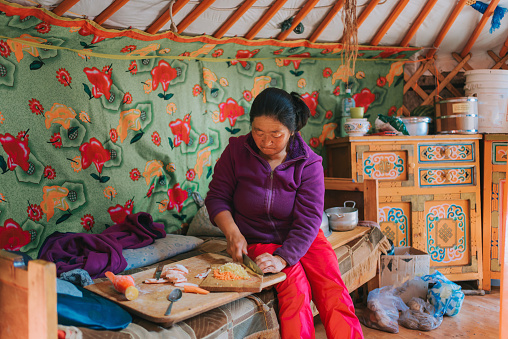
417 125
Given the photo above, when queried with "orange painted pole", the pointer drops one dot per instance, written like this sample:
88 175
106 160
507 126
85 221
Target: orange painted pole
264 20
109 11
418 22
476 33
234 18
389 22
503 314
164 18
329 17
449 22
64 6
192 16
302 13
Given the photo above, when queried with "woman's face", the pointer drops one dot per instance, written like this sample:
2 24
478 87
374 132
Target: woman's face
270 136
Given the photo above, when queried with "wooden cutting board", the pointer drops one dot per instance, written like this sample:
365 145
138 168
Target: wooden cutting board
152 301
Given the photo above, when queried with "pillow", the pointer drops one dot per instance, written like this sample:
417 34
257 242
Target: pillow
161 249
202 226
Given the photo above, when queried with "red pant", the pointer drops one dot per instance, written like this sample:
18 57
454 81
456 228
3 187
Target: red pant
316 276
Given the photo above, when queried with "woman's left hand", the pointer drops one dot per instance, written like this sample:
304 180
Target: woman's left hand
269 263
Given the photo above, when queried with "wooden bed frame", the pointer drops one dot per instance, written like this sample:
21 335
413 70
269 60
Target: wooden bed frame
28 298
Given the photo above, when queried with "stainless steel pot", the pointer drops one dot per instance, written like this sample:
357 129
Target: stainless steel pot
417 125
325 225
342 218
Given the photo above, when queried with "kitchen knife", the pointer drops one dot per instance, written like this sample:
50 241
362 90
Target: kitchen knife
158 271
251 264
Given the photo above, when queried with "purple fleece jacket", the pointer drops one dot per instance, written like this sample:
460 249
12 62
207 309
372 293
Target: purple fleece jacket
282 207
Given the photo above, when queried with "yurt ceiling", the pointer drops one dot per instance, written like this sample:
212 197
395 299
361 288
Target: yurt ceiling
445 29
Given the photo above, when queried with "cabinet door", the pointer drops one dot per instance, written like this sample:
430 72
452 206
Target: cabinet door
395 222
448 226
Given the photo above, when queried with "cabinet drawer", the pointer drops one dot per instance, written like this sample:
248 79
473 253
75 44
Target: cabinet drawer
499 153
391 165
446 153
395 221
457 176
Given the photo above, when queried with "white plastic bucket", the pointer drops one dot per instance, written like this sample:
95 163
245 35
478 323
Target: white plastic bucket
491 88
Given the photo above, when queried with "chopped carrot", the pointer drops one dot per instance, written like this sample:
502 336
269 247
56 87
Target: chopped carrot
226 275
194 289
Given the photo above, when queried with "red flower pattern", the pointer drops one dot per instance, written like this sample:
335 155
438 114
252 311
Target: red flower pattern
196 90
364 98
100 80
203 138
22 135
392 111
128 49
329 114
127 98
163 74
118 213
113 135
43 27
34 212
135 174
150 191
85 31
314 142
177 196
88 222
56 140
133 67
49 173
181 129
94 152
327 72
296 63
191 174
5 50
35 106
312 101
243 54
260 67
64 77
230 110
336 91
12 236
156 138
247 95
218 52
17 151
381 81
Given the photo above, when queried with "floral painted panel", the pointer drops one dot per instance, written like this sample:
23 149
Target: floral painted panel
446 176
394 219
446 153
385 165
96 124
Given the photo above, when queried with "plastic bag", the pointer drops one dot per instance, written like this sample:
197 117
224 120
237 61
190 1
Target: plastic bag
382 310
445 295
420 316
387 123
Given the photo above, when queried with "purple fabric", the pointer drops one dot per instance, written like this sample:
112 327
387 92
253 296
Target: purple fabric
98 253
282 207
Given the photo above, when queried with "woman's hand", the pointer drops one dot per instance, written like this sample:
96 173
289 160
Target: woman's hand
269 263
237 245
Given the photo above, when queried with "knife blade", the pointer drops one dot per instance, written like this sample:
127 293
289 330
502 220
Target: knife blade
252 265
158 271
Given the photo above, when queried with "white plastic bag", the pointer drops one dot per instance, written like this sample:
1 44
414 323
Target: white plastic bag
382 310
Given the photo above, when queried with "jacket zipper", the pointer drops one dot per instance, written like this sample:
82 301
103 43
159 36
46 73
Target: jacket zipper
269 204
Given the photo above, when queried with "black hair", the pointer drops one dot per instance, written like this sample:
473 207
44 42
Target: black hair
289 109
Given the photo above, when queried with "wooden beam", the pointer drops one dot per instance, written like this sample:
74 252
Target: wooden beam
458 58
504 49
476 33
265 19
194 14
446 80
329 17
165 17
500 62
365 13
424 66
234 18
418 22
449 86
389 22
417 89
448 24
302 13
64 6
109 11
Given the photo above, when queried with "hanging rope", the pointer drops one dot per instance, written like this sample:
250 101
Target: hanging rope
350 36
498 15
173 27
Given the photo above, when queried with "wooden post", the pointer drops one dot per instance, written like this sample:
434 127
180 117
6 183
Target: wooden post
503 315
42 315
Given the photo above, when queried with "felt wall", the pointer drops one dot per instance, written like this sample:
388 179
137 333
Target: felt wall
96 124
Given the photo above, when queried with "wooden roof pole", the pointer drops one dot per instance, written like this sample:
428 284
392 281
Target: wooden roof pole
389 22
264 20
64 6
302 13
234 18
109 11
164 18
194 14
329 17
476 33
448 24
418 22
504 49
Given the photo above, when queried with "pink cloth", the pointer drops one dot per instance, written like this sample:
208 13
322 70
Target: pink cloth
316 276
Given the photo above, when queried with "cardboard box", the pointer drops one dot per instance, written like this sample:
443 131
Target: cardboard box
406 264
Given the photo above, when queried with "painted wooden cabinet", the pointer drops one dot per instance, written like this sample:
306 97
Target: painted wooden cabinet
495 152
429 193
